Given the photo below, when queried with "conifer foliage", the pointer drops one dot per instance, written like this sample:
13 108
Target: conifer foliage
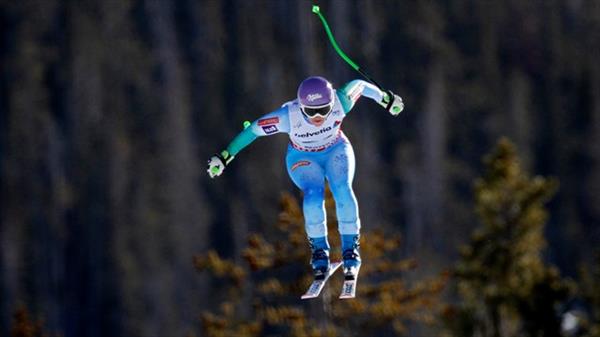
24 326
505 287
276 274
590 291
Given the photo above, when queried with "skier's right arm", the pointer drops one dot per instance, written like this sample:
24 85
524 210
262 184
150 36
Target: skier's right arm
269 124
355 89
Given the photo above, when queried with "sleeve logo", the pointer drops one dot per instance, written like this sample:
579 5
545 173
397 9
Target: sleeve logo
268 121
269 129
355 92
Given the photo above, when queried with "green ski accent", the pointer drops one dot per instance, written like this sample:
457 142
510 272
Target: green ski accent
354 66
247 124
215 169
386 97
225 154
317 11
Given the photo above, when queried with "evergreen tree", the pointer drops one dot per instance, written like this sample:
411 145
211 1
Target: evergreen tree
276 274
24 326
590 291
505 287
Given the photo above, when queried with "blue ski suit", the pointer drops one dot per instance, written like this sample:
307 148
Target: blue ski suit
316 154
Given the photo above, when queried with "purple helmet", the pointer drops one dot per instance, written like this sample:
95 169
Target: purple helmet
315 95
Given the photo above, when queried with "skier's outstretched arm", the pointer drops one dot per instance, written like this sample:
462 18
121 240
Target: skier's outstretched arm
269 124
353 90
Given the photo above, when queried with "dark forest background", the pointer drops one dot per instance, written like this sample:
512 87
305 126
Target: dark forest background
109 110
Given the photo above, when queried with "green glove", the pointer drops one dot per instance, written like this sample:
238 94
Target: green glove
392 103
217 163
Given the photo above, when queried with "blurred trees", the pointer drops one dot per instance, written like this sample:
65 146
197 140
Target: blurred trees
100 205
590 292
276 273
24 326
505 287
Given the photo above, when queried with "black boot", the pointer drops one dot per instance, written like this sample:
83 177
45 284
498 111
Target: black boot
350 254
320 256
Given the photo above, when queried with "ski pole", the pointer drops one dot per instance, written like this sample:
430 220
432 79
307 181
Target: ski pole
317 11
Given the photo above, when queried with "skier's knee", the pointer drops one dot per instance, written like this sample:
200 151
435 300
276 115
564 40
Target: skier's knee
313 192
341 189
344 196
316 229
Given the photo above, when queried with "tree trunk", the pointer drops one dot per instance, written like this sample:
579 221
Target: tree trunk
428 188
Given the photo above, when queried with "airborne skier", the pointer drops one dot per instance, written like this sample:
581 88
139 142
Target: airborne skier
318 151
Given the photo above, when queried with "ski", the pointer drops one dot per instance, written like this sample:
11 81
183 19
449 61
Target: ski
317 285
349 286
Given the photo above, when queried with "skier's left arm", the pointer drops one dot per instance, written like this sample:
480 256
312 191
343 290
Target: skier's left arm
269 124
353 90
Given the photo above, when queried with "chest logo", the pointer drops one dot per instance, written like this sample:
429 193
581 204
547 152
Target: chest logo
316 133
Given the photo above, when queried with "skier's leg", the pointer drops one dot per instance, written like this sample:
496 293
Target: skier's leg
309 176
340 169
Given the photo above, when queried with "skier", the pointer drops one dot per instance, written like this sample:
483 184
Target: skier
318 151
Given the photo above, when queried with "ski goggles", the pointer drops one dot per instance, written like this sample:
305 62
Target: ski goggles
314 111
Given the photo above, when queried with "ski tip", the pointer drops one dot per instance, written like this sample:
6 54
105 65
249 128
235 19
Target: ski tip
315 9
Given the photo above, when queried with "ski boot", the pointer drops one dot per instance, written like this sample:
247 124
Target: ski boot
320 257
351 255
